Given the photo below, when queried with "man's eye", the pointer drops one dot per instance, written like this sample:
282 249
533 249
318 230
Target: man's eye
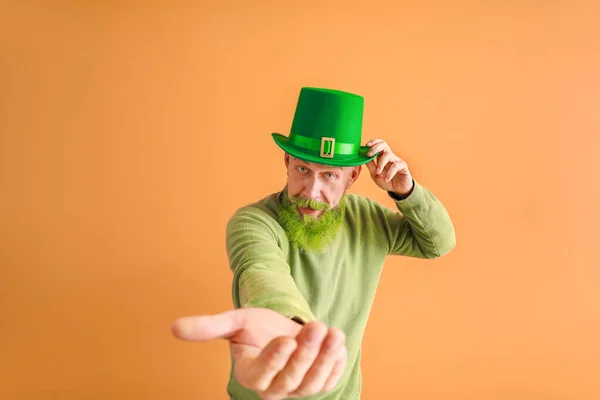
331 176
302 169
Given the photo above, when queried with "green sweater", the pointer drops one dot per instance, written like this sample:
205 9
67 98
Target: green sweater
338 286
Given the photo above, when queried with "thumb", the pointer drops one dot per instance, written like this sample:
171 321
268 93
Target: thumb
208 327
372 167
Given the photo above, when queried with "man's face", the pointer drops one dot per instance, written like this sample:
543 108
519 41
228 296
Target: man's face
319 182
312 210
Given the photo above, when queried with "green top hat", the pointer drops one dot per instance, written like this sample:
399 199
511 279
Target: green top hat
327 129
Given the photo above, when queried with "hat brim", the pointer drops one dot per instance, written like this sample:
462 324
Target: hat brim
341 160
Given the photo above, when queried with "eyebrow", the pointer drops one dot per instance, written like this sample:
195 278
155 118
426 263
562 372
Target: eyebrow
336 170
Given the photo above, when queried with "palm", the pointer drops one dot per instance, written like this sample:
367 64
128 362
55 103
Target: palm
259 327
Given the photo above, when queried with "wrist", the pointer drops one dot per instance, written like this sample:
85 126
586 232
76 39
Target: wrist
402 196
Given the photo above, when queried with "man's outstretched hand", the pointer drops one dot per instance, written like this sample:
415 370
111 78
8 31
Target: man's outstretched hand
274 356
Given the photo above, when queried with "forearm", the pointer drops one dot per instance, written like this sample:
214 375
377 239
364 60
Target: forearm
424 229
260 286
261 275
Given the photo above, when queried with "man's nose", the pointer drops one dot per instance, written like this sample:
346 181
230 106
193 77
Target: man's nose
312 189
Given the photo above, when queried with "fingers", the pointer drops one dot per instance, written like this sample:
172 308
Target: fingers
373 141
378 147
258 373
317 364
398 166
321 370
372 168
393 170
309 341
384 159
337 371
207 327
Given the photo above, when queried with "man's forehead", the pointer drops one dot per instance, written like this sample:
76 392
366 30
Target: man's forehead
313 165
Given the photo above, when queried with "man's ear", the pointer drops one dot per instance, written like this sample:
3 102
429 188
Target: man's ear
354 174
286 159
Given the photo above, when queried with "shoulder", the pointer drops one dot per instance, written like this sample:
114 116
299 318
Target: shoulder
358 204
363 211
259 214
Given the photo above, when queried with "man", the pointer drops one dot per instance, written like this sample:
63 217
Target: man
306 261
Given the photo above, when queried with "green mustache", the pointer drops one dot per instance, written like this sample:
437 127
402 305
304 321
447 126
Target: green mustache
305 203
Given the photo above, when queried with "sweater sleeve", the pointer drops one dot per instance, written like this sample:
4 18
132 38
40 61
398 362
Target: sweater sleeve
421 227
261 275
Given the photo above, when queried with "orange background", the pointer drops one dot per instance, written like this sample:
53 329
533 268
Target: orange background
131 131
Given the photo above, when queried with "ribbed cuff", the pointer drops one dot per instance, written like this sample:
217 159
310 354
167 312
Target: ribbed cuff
289 311
416 197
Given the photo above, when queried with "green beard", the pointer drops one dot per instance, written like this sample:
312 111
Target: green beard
308 233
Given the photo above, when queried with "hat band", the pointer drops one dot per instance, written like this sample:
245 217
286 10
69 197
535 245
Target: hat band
315 144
